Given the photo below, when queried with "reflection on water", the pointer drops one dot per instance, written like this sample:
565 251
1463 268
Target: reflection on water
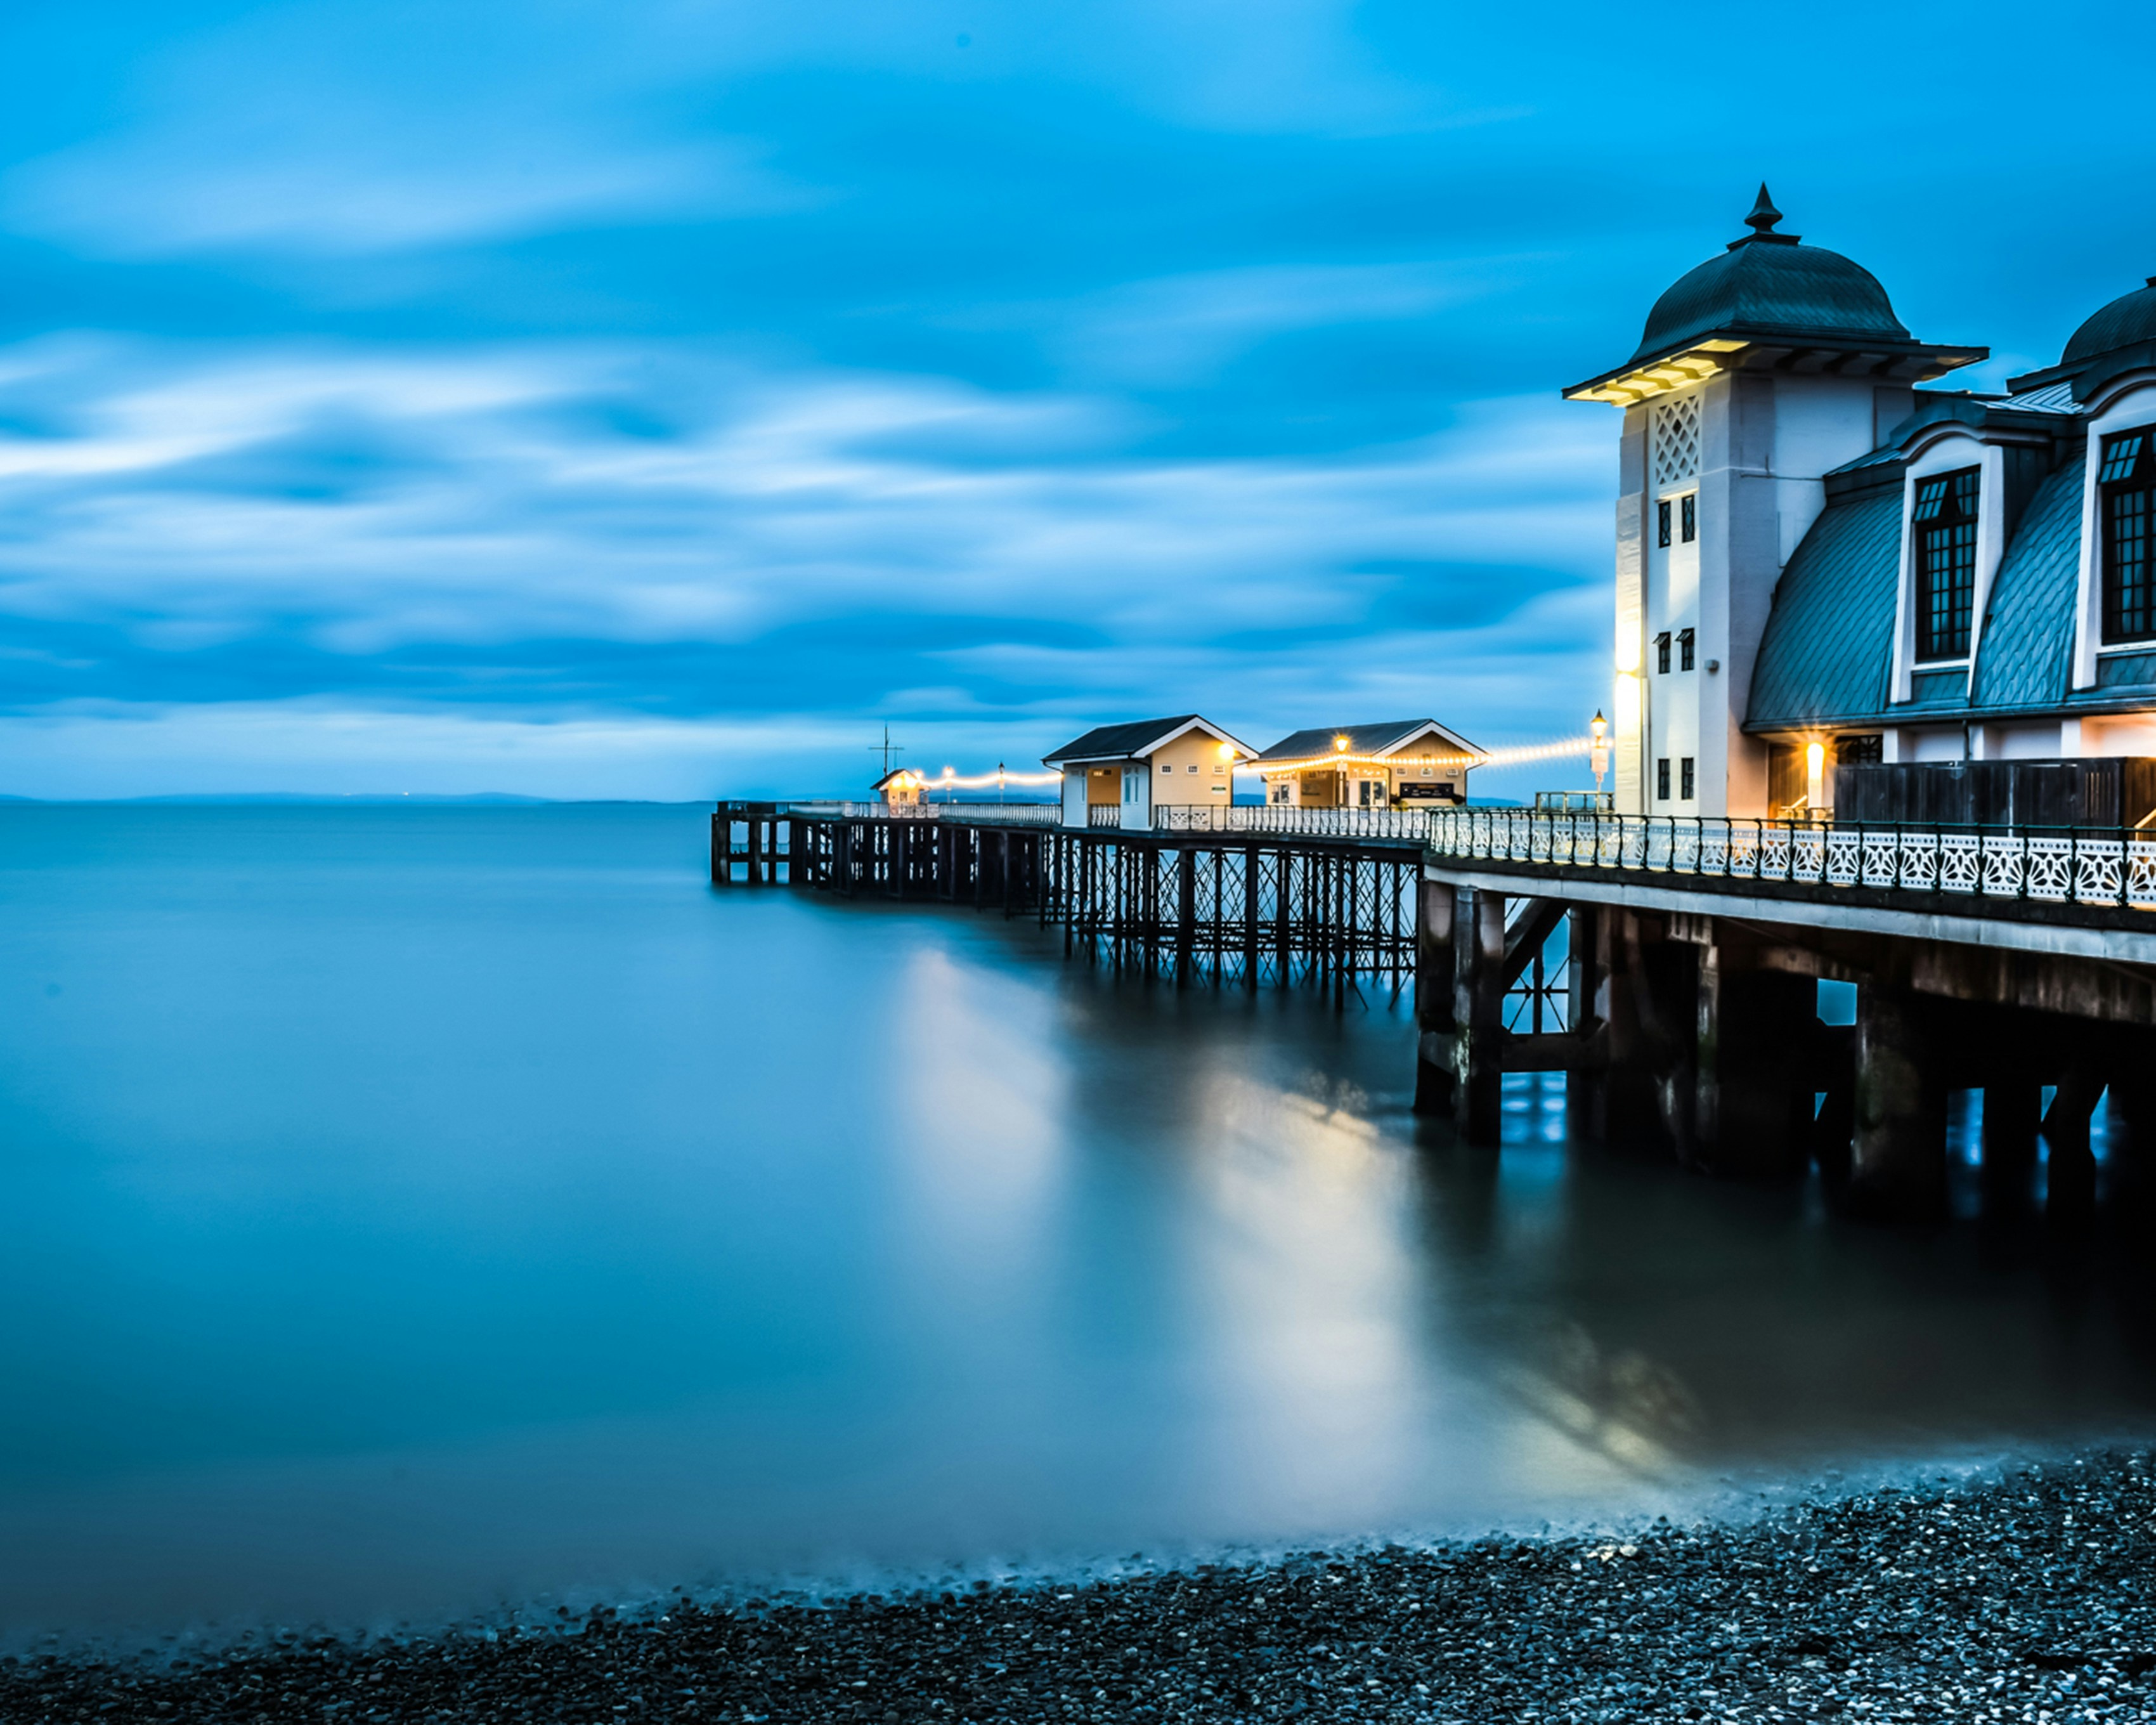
405 1210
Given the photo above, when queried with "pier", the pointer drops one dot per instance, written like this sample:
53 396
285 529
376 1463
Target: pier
1668 967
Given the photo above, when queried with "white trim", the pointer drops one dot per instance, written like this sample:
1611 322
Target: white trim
1425 729
1154 748
1955 447
2114 410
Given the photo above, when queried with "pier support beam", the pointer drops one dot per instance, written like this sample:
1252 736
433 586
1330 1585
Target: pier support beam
2013 1111
1586 1012
1897 1157
1751 1089
1478 1006
2069 1182
1436 913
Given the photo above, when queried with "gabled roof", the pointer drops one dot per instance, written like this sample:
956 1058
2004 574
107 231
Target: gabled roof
896 773
1382 738
1135 740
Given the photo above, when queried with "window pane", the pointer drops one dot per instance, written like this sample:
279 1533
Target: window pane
1662 522
2129 596
1946 564
2121 455
1691 517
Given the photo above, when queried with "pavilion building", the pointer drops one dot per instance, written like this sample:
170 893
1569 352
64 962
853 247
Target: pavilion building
1147 764
1394 763
1819 562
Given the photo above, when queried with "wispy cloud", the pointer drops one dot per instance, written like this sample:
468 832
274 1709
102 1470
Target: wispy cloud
479 530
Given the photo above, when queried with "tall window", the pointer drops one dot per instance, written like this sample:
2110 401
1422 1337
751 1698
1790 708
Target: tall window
1662 653
1662 778
1687 779
1944 523
1685 639
2127 485
1689 512
1662 522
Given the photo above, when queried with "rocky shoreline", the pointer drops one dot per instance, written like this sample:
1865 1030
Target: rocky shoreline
2027 1597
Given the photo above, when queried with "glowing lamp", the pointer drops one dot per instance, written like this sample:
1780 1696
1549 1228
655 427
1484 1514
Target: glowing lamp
1340 743
1815 776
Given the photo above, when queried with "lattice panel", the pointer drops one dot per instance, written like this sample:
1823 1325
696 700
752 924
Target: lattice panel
1675 440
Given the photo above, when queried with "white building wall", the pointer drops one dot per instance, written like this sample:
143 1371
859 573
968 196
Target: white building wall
1766 440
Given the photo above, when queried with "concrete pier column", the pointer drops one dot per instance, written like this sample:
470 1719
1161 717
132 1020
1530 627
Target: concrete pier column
2070 1169
1587 1004
1898 1159
1478 1002
2013 1110
1436 913
1630 1110
2133 1118
1752 1109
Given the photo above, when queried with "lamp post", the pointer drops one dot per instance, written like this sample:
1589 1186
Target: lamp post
1340 746
999 783
1598 756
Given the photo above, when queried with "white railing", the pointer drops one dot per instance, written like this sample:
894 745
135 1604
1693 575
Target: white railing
1104 815
2057 866
1412 824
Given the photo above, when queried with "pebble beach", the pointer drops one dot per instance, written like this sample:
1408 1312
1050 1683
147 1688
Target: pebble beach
2030 1596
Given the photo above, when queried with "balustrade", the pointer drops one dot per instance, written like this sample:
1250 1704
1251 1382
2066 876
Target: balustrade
2054 865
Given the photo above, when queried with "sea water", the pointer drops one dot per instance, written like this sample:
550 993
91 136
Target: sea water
412 1211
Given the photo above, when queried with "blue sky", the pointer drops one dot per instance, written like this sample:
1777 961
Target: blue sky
656 399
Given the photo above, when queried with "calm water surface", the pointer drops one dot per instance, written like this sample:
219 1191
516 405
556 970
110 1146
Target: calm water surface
407 1211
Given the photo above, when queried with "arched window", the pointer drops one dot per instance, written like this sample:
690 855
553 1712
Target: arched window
2126 486
1944 522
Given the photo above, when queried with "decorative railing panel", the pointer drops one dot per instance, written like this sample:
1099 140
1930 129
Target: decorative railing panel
2054 865
1408 824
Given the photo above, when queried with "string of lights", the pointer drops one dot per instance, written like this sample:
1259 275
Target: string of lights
1516 756
950 778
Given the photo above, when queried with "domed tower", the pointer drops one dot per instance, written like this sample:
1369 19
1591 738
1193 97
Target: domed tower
1757 372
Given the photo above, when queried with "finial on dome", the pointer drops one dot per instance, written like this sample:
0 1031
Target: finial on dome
1761 221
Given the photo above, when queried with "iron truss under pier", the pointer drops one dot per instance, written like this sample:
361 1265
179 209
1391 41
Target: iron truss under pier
1230 909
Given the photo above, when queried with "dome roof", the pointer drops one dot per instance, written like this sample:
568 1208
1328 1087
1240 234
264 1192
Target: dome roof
1769 285
2128 319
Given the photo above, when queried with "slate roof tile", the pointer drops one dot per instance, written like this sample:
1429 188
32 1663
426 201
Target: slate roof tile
1826 653
2023 660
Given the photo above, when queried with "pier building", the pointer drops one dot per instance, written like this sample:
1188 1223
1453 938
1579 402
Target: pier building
1820 563
1886 685
1131 773
900 787
1388 764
